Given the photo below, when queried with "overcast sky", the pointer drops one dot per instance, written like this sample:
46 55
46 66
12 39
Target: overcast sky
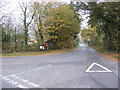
14 6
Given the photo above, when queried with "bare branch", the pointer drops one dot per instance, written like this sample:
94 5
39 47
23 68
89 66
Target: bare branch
3 3
31 19
5 15
23 6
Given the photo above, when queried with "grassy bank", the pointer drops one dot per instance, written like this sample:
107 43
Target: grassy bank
35 53
111 55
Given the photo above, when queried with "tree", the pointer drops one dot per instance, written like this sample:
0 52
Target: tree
91 35
39 8
62 25
42 10
3 4
24 8
7 35
106 16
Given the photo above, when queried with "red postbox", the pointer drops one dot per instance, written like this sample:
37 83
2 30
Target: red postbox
46 44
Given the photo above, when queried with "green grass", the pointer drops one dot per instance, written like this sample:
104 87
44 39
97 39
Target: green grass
117 57
23 53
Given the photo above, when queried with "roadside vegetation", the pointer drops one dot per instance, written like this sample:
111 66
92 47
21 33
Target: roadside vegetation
58 25
109 54
54 24
103 32
35 53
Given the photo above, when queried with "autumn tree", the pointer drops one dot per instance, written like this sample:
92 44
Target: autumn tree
92 36
62 26
42 10
106 16
39 8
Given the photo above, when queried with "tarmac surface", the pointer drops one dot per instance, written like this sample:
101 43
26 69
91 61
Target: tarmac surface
81 68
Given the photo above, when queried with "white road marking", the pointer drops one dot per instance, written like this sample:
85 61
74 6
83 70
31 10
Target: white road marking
30 70
6 78
14 82
103 71
21 79
12 75
88 70
1 75
33 84
50 65
26 81
106 70
21 86
17 77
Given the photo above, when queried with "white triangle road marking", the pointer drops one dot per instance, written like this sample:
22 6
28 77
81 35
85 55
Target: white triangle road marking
106 70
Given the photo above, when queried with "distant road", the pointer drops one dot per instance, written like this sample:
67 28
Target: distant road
81 68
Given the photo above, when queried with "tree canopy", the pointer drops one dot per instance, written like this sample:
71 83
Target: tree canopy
62 26
105 16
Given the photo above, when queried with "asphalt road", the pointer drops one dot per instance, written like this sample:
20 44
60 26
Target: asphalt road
81 68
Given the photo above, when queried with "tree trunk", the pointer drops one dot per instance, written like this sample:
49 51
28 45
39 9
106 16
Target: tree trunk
108 42
26 36
40 33
15 40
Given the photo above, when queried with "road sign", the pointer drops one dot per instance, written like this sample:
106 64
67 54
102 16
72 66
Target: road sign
91 66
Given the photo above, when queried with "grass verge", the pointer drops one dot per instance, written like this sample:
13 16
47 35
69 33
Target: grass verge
35 53
111 55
